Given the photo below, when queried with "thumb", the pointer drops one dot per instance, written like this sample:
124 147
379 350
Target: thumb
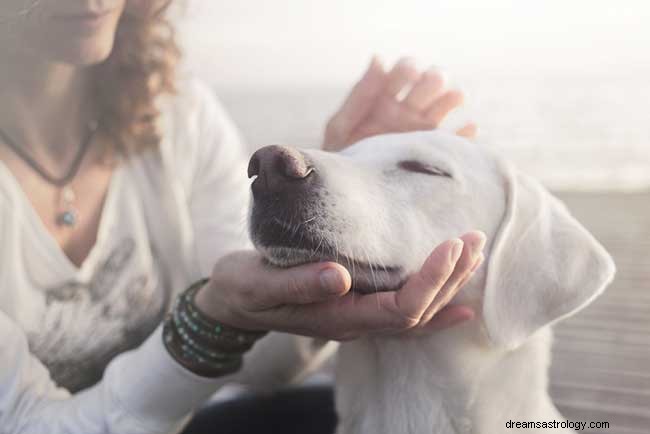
302 284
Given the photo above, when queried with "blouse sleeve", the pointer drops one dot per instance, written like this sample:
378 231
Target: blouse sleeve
143 391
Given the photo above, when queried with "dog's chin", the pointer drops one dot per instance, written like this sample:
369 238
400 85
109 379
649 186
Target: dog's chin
366 277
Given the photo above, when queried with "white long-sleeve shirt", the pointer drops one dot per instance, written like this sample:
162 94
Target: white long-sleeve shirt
169 214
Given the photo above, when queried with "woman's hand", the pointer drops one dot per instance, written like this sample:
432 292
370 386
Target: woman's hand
376 106
315 299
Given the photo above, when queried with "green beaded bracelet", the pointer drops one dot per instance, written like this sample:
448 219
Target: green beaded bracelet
225 337
193 361
202 344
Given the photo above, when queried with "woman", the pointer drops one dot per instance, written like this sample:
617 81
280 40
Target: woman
122 184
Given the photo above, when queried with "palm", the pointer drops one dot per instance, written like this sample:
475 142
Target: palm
374 105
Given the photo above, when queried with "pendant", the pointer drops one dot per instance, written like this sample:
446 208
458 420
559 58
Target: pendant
67 217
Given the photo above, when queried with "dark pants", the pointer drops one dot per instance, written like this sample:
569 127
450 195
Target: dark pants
305 410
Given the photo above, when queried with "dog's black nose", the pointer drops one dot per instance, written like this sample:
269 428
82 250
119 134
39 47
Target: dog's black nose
278 169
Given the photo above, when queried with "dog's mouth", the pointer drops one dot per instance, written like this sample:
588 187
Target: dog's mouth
285 245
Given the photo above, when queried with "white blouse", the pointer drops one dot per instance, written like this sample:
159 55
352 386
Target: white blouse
65 330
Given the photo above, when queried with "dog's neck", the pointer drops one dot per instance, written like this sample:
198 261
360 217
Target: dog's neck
448 383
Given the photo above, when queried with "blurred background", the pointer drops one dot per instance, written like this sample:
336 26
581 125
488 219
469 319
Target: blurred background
561 87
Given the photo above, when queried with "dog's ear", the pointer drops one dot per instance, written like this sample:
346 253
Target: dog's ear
543 265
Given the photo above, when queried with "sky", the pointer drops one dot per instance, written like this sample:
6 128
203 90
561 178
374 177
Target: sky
306 42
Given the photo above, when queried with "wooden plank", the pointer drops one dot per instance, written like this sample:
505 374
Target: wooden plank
601 356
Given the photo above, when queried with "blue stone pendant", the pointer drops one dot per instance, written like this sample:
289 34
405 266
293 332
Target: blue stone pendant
67 218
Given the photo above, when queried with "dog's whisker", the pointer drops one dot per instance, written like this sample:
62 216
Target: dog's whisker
293 228
373 277
350 264
318 247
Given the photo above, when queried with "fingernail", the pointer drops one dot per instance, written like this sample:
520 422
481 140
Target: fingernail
456 250
331 280
479 261
478 249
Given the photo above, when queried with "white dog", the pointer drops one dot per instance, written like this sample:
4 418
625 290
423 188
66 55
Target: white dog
379 207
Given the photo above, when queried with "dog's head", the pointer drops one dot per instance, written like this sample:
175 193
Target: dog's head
380 207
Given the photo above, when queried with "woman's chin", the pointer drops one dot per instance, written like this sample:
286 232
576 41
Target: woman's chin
92 55
73 41
82 53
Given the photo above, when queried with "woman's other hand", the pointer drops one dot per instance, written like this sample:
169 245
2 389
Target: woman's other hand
400 100
315 299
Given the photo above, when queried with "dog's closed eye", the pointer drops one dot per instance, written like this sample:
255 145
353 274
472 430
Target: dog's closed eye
420 167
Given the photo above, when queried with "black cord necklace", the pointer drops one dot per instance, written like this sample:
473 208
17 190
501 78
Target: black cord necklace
68 215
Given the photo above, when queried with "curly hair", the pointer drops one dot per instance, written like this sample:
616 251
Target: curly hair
140 67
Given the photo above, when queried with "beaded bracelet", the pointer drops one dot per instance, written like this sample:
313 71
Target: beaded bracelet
226 338
205 346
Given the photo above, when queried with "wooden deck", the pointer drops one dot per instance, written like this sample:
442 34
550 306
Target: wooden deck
601 358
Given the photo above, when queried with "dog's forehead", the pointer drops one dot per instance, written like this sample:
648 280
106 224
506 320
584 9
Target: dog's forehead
419 145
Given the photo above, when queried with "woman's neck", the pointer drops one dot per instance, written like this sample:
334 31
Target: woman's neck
44 106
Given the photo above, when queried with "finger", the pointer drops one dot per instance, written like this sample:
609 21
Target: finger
477 264
355 313
403 74
352 314
440 305
473 243
448 316
470 131
409 302
388 117
441 107
425 91
361 99
302 284
393 117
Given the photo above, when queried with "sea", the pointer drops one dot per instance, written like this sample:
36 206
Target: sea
571 132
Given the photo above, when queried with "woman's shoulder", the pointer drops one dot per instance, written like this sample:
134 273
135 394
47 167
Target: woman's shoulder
194 110
196 129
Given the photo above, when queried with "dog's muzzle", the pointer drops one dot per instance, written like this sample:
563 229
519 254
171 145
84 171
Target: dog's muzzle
280 171
286 193
290 223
